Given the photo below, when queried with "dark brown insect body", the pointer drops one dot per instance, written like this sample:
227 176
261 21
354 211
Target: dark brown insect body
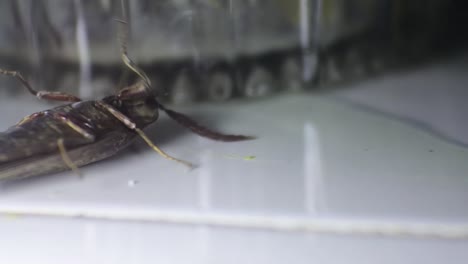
90 130
30 147
82 132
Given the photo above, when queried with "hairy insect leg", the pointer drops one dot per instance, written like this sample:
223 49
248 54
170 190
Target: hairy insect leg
131 125
48 95
66 158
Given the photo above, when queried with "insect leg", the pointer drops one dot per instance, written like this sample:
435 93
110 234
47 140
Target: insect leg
48 95
66 159
30 118
74 124
131 125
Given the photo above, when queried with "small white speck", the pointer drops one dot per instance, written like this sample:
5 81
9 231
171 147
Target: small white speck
132 183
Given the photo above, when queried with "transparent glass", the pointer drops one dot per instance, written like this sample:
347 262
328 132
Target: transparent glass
206 49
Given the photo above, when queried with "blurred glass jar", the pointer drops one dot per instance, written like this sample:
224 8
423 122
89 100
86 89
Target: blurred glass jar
196 49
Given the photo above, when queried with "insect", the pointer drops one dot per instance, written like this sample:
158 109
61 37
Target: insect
82 132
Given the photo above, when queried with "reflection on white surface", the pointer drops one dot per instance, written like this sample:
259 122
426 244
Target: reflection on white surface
313 176
432 97
204 248
205 175
90 240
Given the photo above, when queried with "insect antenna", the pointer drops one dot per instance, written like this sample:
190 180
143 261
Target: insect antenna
189 123
123 36
178 117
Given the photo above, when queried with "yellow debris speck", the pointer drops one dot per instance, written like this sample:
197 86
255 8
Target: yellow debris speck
249 157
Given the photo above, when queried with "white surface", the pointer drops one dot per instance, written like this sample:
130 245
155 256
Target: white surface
51 240
328 182
433 96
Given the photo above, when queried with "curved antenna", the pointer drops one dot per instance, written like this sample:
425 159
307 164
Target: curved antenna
123 37
178 117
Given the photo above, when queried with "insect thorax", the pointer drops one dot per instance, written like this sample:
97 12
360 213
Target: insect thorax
142 111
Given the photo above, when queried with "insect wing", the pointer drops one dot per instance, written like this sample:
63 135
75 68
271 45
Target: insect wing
52 162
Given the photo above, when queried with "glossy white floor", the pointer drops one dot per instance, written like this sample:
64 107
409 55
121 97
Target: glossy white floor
326 181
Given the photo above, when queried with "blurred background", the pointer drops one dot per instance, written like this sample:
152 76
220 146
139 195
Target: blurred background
216 50
359 107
